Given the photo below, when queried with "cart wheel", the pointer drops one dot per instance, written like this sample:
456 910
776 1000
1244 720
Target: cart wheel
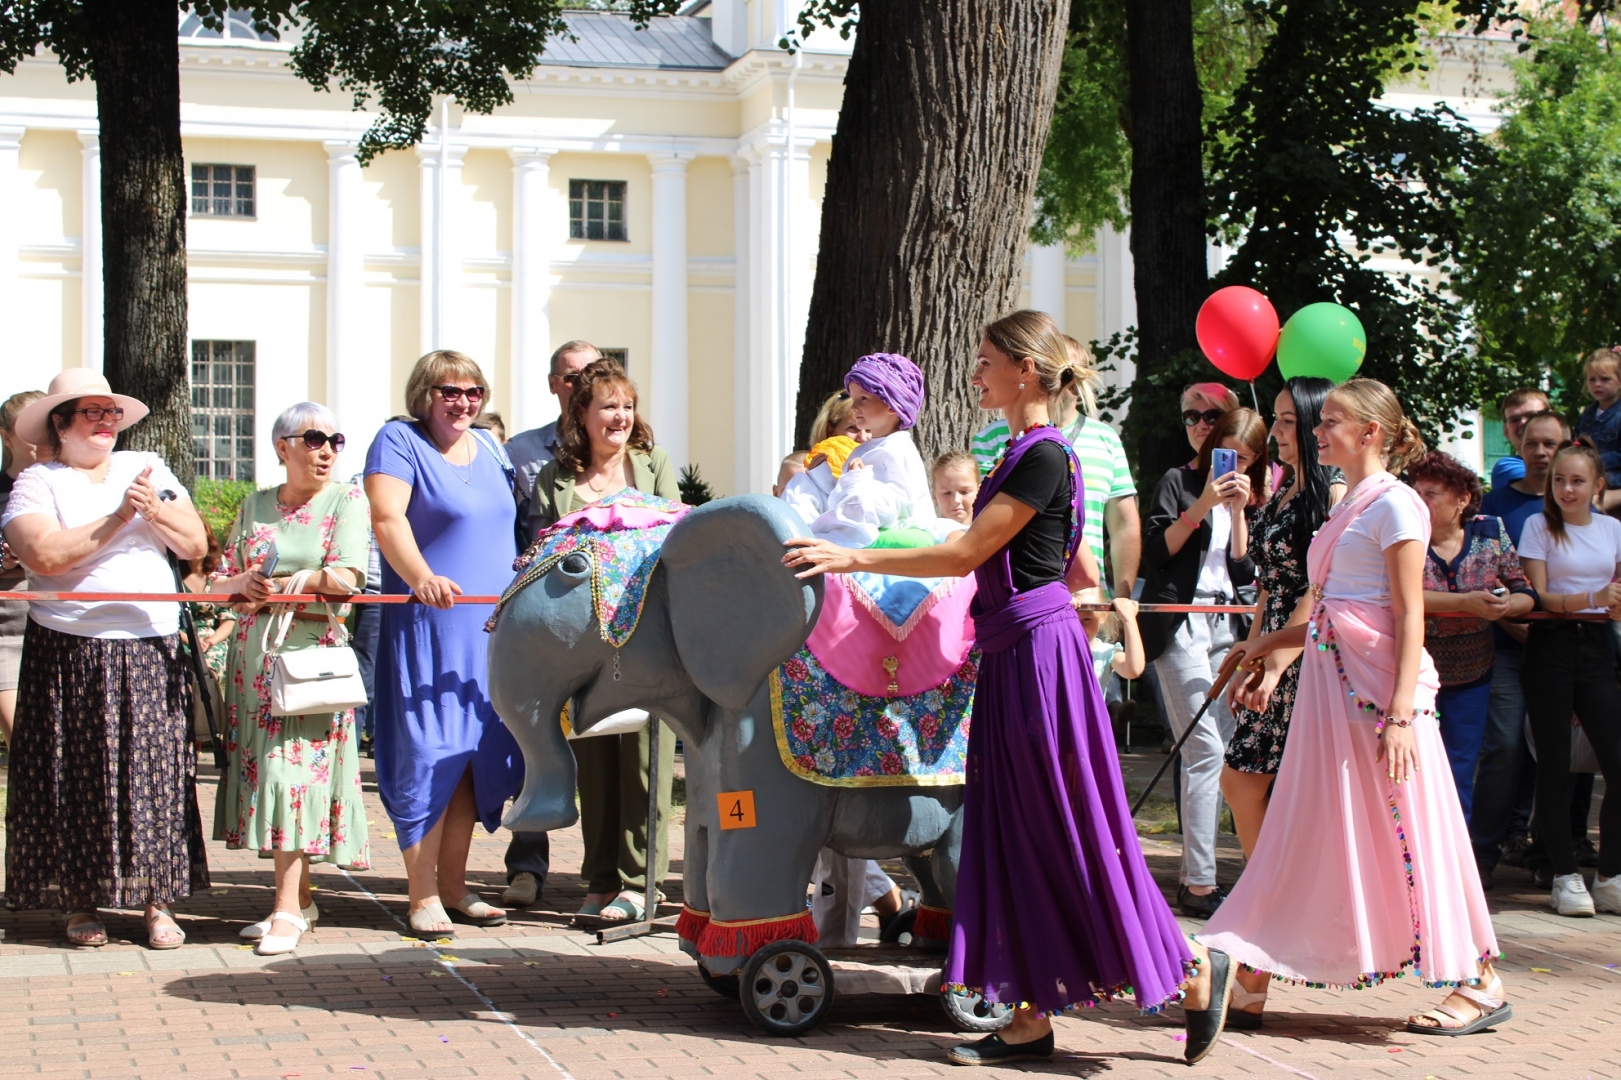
727 986
787 988
970 1011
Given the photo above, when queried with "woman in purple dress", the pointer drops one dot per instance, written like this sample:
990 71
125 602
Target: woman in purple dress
443 512
1055 906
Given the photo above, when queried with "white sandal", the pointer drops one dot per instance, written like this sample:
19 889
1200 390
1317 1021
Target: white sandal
1449 1021
255 931
1238 1015
279 944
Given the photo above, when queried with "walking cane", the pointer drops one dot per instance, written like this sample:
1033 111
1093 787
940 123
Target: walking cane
1235 657
198 672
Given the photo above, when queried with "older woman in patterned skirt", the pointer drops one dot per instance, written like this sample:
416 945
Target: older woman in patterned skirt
102 810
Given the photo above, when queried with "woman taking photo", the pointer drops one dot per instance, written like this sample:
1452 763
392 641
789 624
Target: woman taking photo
102 807
1572 555
1282 533
606 447
443 512
1363 866
292 785
1470 568
1055 906
1196 551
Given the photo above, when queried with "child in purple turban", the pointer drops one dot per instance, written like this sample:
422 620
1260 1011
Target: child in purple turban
883 495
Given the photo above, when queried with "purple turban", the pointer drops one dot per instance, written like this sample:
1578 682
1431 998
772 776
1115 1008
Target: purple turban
892 379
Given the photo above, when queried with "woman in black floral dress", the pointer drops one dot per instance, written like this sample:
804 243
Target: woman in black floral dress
1280 537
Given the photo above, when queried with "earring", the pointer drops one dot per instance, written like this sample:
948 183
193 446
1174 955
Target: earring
1021 386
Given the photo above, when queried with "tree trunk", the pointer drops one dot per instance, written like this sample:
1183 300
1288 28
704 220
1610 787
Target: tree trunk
134 47
929 193
1167 221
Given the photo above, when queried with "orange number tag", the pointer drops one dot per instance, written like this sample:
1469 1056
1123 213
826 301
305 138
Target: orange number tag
736 809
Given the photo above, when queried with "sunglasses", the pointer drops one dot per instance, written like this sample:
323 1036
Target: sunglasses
473 394
1193 417
314 440
96 416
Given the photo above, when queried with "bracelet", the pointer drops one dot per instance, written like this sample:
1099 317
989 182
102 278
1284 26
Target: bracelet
1392 721
122 519
1189 522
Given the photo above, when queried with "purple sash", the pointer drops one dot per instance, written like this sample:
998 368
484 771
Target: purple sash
1002 615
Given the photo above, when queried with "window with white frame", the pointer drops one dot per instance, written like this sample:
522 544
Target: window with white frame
619 356
222 379
596 210
224 191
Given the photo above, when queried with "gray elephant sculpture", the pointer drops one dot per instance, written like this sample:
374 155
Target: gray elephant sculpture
720 613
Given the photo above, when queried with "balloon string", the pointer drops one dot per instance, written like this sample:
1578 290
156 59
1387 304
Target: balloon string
1253 397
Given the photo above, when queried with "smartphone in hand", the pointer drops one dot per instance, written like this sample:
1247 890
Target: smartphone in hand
267 565
1223 461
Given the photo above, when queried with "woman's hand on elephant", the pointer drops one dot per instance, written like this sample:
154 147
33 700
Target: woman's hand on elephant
817 557
437 591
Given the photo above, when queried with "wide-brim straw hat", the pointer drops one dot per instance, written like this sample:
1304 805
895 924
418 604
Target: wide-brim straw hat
33 423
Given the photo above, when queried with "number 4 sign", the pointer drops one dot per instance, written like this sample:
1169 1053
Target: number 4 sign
736 809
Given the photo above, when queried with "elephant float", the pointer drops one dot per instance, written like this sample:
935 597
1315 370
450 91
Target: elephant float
638 603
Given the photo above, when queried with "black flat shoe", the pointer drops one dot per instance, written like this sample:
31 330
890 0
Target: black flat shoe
1199 907
1204 1025
991 1050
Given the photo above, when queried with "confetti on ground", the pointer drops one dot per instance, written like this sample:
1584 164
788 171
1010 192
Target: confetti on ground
1543 971
443 941
444 1038
447 958
244 948
613 1016
1179 1037
126 972
536 963
388 978
219 892
436 974
1394 1050
662 992
409 937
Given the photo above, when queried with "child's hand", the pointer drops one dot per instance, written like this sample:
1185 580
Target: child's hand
1126 606
854 463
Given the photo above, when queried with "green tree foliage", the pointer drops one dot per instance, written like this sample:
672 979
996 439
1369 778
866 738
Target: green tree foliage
1540 263
218 502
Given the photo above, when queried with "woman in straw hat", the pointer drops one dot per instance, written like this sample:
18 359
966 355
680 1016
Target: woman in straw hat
102 811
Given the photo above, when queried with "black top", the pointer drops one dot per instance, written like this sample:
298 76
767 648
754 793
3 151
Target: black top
1172 579
1040 480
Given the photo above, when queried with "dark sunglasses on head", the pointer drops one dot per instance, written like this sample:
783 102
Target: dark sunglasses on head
314 440
456 393
1193 417
95 415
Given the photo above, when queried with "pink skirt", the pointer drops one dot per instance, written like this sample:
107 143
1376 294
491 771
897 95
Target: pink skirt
1355 878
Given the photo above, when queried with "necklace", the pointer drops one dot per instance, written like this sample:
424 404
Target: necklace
468 464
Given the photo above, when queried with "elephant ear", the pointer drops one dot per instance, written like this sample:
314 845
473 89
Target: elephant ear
736 611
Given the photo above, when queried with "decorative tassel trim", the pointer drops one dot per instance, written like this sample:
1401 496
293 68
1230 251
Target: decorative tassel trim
933 923
1374 978
692 924
1099 997
749 936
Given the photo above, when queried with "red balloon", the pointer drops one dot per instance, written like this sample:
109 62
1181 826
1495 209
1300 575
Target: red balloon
1238 331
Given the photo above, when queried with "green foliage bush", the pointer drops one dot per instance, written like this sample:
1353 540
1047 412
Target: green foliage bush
219 500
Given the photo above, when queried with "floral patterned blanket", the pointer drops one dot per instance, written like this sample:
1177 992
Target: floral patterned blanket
832 735
623 535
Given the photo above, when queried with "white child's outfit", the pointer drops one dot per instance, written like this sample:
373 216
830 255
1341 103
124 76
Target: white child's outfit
891 490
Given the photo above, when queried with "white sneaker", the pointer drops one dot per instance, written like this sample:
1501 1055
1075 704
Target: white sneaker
1570 896
255 931
1607 894
522 892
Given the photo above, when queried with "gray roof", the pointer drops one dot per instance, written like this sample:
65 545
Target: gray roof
606 39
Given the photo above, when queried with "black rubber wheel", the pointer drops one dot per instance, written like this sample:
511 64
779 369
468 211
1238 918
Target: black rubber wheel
727 986
898 930
969 1011
787 988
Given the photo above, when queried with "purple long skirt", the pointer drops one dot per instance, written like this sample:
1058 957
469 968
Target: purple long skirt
1055 905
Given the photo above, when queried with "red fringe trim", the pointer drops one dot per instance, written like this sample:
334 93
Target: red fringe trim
932 923
748 937
692 924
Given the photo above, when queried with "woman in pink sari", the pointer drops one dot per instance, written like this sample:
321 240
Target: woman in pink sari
1363 866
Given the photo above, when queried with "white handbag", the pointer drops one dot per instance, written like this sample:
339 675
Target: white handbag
323 679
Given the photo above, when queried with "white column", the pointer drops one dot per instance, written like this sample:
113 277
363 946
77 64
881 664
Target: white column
742 291
669 361
11 307
535 232
357 377
1047 263
1116 293
761 390
441 173
92 295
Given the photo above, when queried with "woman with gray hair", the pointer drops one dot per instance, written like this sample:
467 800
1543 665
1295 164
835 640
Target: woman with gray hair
291 788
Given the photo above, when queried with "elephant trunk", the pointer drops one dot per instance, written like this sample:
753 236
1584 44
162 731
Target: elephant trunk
547 799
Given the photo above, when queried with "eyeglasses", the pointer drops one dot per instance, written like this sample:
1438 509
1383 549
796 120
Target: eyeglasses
474 394
314 440
1193 417
571 378
95 415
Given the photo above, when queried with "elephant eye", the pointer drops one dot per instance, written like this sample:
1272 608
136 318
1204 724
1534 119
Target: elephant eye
576 564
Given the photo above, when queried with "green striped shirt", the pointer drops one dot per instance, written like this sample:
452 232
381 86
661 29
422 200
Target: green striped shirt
1105 473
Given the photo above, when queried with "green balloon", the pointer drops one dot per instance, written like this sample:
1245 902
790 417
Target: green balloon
1322 340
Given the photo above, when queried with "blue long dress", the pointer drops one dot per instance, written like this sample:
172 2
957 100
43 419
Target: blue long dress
433 716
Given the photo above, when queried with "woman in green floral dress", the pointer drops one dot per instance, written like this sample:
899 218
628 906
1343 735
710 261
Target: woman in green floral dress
292 787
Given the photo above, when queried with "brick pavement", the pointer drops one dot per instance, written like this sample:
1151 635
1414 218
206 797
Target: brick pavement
536 999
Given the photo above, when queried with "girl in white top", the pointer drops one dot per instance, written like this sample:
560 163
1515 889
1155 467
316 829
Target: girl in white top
1572 556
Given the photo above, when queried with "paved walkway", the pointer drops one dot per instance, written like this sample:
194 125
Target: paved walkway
536 999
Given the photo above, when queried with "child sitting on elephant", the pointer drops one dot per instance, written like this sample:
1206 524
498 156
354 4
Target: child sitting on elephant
883 487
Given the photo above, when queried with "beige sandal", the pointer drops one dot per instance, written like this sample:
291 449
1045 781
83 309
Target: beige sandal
424 919
1449 1021
153 930
88 933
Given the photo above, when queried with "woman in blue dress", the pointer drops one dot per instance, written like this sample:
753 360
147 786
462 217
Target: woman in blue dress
444 514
